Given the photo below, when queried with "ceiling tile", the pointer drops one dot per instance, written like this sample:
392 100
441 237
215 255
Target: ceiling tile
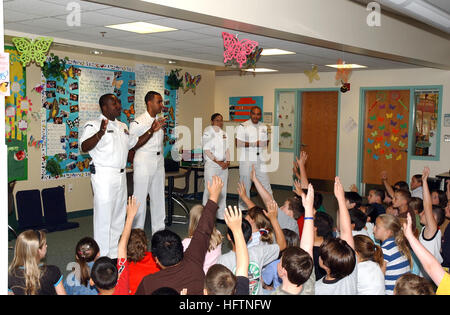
35 7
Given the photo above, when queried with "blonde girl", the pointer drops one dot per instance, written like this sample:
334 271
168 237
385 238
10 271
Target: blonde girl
215 243
26 274
396 253
370 262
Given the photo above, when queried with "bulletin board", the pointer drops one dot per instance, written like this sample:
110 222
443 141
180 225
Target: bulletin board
17 116
68 104
240 106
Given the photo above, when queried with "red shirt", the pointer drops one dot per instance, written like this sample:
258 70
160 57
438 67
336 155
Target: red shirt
122 286
300 222
138 270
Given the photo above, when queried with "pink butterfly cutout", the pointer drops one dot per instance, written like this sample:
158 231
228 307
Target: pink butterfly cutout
237 50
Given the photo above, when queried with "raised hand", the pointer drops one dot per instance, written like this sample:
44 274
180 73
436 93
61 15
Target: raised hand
338 189
303 158
308 199
132 206
233 218
103 126
425 173
298 188
272 210
407 227
384 175
296 170
241 190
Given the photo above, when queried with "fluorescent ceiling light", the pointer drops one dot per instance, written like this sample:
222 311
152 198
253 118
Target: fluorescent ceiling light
347 66
276 52
426 11
261 70
141 27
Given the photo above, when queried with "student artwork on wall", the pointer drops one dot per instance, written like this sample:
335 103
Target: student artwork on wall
240 106
286 120
170 113
17 113
68 103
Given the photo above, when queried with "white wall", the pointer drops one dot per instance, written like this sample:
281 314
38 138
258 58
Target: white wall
265 85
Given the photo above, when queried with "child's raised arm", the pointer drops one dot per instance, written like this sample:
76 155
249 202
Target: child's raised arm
233 219
132 208
344 216
302 165
388 187
432 267
243 194
307 241
431 226
272 214
263 193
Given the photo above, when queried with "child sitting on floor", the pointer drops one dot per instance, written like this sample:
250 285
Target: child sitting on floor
77 282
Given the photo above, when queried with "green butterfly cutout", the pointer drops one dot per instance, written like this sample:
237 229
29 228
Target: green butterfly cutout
373 117
369 151
32 50
381 127
401 144
374 134
403 126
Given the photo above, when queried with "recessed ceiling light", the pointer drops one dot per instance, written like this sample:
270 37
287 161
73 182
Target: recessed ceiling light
347 66
141 27
276 52
261 70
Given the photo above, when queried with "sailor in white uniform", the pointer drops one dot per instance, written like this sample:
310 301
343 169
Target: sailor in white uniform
148 164
217 159
252 141
107 141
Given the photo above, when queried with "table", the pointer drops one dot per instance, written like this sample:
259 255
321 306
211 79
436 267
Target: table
170 176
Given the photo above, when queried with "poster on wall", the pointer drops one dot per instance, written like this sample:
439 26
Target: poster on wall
17 113
286 120
70 102
240 106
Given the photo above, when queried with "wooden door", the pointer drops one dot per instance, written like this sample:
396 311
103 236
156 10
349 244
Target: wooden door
385 135
319 133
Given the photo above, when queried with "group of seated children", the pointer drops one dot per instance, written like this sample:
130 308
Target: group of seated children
396 243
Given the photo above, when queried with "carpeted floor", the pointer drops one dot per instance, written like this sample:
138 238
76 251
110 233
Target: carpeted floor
61 245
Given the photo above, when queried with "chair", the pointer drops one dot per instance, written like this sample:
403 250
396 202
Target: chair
177 197
54 202
29 210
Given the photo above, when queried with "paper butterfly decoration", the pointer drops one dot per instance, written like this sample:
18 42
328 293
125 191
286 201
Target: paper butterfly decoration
252 59
54 110
191 82
235 50
32 50
343 74
388 156
70 72
312 74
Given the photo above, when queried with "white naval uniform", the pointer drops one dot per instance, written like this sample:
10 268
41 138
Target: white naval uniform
215 140
248 156
109 183
149 174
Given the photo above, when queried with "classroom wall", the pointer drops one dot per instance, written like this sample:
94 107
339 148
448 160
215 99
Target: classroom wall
265 85
81 198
